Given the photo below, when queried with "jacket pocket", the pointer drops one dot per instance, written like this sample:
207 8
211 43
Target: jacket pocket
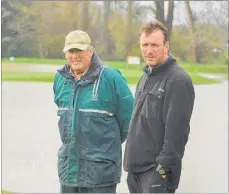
98 130
97 172
62 163
64 124
158 184
151 105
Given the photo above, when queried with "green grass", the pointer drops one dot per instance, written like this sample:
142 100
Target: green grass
207 68
197 79
194 68
28 76
49 77
5 192
132 73
36 60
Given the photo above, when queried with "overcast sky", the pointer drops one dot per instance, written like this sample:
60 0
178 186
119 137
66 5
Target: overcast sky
180 15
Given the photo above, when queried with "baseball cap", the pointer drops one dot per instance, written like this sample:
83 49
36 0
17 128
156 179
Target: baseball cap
77 39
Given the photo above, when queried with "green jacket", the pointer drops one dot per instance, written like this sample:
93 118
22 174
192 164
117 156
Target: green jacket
94 114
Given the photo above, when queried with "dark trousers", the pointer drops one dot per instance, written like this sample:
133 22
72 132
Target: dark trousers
147 182
108 189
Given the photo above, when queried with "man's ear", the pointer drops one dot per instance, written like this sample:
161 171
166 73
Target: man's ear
66 55
91 50
167 47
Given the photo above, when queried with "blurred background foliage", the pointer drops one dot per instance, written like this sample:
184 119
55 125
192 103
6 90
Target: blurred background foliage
198 30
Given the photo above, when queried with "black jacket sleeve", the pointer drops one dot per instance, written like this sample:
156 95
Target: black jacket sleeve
177 111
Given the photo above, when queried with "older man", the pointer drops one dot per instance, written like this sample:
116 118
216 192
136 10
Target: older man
94 106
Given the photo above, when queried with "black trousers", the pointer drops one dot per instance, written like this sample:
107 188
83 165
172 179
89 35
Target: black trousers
147 182
108 189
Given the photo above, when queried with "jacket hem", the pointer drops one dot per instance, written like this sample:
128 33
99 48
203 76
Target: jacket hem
90 185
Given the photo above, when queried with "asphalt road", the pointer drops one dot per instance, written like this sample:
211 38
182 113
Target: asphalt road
30 140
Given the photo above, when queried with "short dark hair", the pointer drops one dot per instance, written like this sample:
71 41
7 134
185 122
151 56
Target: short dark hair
155 25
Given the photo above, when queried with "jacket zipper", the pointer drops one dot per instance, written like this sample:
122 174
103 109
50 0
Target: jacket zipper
75 124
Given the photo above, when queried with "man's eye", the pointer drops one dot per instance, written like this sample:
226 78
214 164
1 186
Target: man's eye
74 50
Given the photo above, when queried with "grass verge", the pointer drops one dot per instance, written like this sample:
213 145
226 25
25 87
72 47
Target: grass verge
5 192
28 76
49 77
193 68
35 60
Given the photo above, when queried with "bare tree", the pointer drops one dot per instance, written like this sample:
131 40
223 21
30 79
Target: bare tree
169 21
160 10
192 29
107 38
160 14
129 28
85 15
106 12
219 13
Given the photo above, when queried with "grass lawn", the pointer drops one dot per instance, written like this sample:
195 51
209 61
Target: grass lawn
5 192
120 64
28 76
206 68
132 73
194 68
226 76
132 78
35 60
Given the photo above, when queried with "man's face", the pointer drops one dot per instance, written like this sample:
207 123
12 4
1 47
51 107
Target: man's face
79 60
154 50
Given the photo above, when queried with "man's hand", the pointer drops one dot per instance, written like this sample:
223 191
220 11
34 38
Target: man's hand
162 171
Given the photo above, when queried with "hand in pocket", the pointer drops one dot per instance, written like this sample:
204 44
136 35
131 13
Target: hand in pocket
158 183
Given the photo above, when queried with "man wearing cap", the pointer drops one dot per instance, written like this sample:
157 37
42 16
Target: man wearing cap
94 109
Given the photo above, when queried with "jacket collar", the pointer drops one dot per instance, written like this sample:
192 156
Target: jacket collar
159 68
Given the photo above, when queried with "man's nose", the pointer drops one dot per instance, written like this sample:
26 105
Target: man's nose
75 54
149 50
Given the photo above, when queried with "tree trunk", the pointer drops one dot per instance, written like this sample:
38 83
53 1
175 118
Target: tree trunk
74 9
169 22
41 52
192 29
129 28
105 30
77 24
106 13
160 10
85 16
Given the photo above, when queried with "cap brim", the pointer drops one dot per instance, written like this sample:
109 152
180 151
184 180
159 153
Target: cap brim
77 46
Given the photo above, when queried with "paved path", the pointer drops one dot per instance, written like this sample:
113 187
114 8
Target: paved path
218 77
33 67
30 140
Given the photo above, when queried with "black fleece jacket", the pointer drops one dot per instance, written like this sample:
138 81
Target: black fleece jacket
159 127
